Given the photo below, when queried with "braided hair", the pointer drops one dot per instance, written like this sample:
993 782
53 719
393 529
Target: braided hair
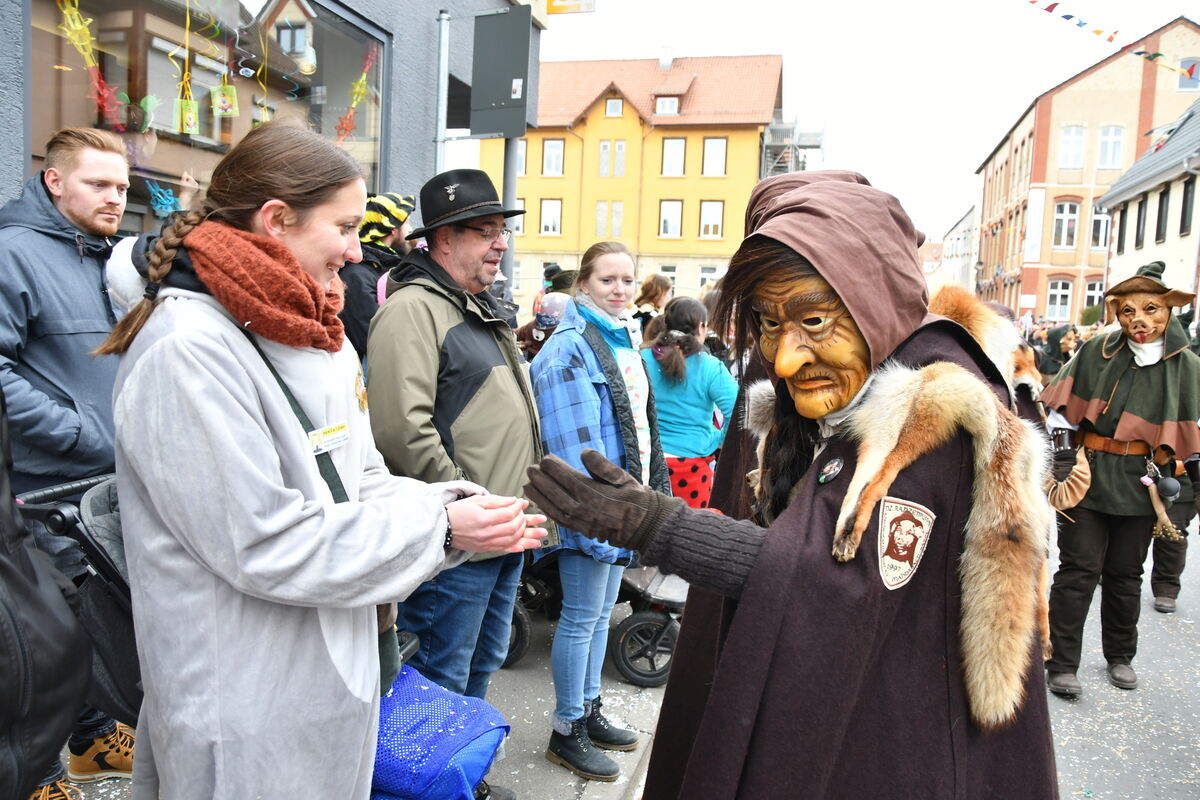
682 319
277 160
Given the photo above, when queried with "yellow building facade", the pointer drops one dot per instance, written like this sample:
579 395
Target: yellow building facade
673 186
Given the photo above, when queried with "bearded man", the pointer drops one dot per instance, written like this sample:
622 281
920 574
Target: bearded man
824 651
1131 399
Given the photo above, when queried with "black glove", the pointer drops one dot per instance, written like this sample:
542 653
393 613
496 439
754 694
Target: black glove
1064 462
610 505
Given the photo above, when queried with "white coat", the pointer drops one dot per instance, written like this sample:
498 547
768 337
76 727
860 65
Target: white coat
253 592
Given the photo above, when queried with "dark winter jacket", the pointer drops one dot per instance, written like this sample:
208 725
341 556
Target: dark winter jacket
54 310
1051 357
44 653
450 395
362 296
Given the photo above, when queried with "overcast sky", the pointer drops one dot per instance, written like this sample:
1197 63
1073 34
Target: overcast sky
914 95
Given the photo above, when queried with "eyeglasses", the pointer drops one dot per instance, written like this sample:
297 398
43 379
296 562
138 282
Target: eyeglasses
490 233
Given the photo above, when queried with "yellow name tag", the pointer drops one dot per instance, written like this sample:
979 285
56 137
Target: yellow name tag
329 438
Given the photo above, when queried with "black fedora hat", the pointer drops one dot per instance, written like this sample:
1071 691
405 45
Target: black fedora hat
457 196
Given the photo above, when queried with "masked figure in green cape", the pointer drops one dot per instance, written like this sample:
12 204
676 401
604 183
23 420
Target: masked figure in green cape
1130 398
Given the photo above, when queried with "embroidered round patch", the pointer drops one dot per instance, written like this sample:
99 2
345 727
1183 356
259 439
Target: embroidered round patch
904 530
831 470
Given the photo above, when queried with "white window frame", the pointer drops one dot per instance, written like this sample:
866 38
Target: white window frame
552 157
676 143
666 106
601 219
1101 228
614 103
1070 149
1058 300
550 217
711 166
605 157
670 219
710 275
1093 294
618 158
1112 140
712 219
669 271
522 147
517 221
1066 225
618 217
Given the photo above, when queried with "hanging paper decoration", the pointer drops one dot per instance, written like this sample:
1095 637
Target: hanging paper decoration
1189 73
163 202
185 117
78 32
358 92
224 98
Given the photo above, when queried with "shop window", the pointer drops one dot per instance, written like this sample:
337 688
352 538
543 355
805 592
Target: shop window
118 65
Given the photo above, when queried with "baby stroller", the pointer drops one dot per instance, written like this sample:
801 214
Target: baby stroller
641 646
433 744
94 522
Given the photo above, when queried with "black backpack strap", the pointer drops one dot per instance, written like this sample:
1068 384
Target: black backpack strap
324 460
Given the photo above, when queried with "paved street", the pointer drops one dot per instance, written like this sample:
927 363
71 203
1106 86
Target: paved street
1111 744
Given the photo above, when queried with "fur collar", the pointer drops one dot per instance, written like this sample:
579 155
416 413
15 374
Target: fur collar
1004 569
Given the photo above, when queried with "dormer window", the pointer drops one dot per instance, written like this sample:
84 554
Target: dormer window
667 106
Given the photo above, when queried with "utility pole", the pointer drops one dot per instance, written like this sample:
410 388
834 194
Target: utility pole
443 91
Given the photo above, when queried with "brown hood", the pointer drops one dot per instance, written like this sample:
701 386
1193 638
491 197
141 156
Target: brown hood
765 192
862 242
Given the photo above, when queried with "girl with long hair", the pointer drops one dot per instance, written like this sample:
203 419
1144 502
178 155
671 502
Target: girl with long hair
655 293
261 525
592 392
689 385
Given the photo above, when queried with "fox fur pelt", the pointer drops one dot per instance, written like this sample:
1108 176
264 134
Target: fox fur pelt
910 412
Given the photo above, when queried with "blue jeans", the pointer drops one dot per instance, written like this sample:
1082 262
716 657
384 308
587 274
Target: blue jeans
464 618
577 656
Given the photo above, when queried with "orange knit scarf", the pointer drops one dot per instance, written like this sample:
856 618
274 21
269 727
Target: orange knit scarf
261 283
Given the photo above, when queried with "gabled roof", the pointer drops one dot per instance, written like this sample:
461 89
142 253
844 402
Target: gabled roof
1164 164
718 90
1102 62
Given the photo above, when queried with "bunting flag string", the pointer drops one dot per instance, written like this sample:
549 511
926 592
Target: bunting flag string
358 92
1189 73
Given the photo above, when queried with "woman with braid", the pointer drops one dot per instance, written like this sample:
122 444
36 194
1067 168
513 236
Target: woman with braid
261 525
689 385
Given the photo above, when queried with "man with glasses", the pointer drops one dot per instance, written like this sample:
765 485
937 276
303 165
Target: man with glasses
450 400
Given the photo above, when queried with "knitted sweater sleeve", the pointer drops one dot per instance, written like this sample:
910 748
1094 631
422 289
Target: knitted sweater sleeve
707 549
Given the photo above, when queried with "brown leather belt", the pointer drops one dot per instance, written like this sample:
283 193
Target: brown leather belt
1094 441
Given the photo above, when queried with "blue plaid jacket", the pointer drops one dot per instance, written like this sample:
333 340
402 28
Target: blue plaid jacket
579 409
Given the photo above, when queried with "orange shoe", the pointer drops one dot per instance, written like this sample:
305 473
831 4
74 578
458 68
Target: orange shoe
59 790
109 756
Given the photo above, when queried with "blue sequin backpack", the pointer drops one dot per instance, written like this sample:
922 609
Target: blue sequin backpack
433 744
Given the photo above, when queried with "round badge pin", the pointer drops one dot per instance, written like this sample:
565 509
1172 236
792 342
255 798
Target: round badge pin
830 471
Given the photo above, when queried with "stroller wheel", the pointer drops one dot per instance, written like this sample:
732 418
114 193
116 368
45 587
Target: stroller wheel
518 640
642 647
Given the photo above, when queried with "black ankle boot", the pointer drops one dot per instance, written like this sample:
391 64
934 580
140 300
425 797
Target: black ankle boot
604 734
575 752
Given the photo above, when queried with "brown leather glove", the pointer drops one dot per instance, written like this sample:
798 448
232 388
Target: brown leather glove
610 506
